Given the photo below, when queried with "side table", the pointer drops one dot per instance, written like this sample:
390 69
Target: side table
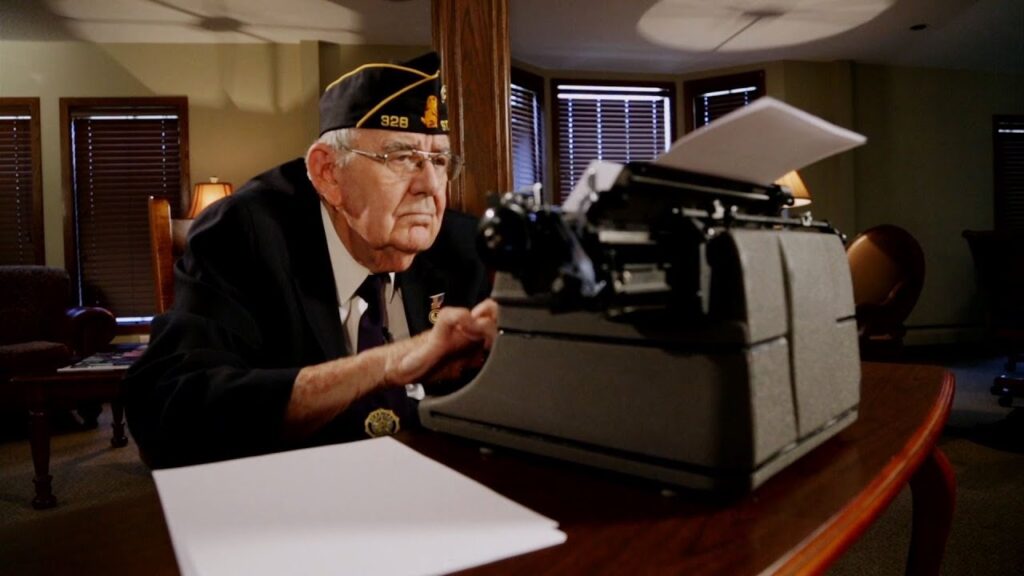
43 393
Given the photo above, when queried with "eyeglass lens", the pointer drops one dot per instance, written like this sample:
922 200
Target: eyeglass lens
411 161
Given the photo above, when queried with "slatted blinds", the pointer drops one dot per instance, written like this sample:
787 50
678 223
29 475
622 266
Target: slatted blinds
615 123
120 156
711 98
526 140
21 213
1008 153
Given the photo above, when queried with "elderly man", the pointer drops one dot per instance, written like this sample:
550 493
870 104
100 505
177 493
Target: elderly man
312 303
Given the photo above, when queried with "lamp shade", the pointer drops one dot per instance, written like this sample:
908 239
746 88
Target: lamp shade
792 180
206 193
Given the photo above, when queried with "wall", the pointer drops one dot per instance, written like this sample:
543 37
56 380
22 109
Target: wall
245 104
927 167
824 89
251 106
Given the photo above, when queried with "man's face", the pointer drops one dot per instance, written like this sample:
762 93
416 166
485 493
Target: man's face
387 217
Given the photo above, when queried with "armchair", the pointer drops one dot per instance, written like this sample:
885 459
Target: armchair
999 267
887 268
38 331
167 243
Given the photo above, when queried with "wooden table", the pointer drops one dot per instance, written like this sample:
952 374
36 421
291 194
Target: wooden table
798 522
43 393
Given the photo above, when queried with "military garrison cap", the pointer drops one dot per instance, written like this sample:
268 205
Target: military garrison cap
408 97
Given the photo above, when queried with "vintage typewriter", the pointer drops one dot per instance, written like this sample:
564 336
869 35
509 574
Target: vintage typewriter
670 325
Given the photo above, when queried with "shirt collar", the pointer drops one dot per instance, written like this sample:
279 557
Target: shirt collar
348 273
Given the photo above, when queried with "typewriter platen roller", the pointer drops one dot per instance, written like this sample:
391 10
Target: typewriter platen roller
673 327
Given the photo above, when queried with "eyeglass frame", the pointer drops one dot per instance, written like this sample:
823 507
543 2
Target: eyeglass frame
423 156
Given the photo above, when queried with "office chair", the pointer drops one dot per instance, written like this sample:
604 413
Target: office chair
887 269
167 243
999 265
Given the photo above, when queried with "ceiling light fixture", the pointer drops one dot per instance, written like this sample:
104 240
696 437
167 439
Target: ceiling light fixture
742 25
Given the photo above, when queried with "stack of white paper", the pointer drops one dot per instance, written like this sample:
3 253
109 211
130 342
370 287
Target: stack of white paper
370 507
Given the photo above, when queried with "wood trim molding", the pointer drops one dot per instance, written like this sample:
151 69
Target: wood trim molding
472 37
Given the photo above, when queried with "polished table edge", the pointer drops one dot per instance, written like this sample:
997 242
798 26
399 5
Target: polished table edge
823 547
153 553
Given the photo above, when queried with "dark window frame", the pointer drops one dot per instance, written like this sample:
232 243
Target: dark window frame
556 119
693 89
534 84
35 228
72 108
1008 173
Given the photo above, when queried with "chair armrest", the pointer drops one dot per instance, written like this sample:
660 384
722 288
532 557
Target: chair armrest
89 329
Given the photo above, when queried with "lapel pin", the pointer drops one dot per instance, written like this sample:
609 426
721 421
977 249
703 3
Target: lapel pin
381 422
436 301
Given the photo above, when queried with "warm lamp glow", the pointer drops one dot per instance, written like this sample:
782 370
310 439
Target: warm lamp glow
792 180
206 193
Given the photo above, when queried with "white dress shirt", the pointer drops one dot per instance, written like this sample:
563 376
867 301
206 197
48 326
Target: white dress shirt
348 276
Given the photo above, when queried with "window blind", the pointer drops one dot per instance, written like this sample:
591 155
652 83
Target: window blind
119 159
526 142
21 225
711 106
1008 155
614 123
708 99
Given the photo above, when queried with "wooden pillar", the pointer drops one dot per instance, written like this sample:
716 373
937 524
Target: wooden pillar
472 38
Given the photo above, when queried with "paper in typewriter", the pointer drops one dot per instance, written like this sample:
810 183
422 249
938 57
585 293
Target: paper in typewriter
759 143
369 507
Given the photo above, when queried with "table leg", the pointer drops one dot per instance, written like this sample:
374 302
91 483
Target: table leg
40 440
119 439
933 488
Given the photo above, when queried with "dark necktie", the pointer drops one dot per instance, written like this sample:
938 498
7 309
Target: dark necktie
372 331
384 411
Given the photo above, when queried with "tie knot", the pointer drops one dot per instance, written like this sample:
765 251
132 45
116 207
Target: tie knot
372 288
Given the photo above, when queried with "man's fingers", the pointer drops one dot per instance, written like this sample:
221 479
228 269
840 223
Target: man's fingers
458 340
486 309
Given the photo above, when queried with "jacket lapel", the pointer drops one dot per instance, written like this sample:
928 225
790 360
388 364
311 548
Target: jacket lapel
421 281
314 280
319 303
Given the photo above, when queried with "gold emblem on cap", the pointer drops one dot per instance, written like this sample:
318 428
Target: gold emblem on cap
436 301
430 112
381 422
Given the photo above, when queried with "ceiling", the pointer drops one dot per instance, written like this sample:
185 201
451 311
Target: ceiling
644 36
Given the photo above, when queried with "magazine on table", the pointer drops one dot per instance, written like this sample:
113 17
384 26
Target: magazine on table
119 358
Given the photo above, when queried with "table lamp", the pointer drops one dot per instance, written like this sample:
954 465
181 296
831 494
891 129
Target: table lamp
206 193
792 180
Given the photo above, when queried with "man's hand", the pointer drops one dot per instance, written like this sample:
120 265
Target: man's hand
458 341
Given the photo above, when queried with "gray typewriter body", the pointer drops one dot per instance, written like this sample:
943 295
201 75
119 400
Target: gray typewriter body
713 379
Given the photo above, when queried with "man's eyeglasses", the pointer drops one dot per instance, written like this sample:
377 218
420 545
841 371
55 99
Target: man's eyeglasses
408 163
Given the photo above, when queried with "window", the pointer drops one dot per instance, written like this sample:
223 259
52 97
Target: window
526 129
1008 154
708 99
21 191
603 121
119 151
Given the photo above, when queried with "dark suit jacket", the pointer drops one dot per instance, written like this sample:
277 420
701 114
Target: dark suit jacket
254 303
